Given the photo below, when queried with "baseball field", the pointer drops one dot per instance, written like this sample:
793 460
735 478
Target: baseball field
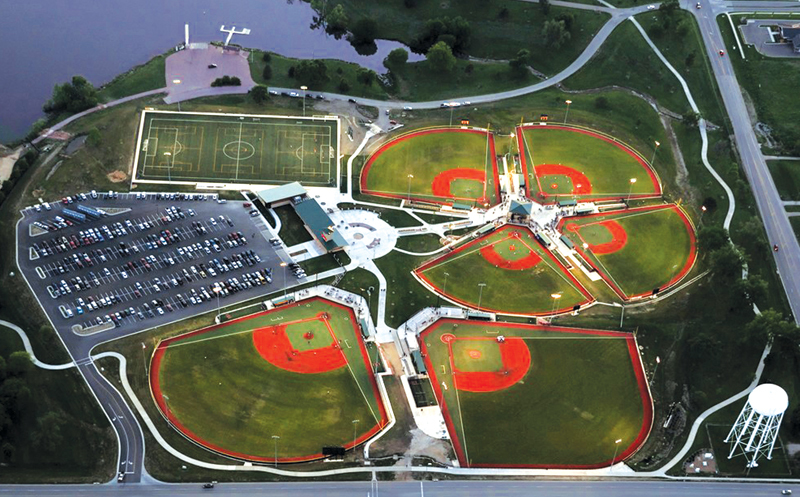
517 395
232 148
637 251
561 162
300 373
506 271
442 165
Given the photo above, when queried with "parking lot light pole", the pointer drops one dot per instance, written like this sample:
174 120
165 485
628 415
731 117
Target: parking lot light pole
304 88
408 198
630 190
654 153
275 438
217 290
283 265
567 113
616 446
555 297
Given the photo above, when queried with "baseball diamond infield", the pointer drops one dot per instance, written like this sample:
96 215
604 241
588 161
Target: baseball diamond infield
441 165
636 251
561 162
521 276
516 395
234 148
299 372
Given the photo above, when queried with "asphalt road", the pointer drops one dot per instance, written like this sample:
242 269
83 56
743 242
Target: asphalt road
417 489
779 230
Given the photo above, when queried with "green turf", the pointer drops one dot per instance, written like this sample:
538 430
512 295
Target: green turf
227 148
512 291
786 174
426 156
608 167
476 355
579 396
657 248
309 335
222 390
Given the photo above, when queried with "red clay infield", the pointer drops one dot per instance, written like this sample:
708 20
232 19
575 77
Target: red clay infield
516 362
490 254
644 393
441 183
580 183
619 237
274 346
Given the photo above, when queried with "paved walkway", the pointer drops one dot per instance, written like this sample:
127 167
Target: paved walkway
27 344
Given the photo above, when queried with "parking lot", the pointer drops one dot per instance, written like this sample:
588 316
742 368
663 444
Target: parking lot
129 262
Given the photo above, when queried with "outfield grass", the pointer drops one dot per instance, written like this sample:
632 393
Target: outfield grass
608 166
409 166
659 250
491 36
786 174
517 291
626 60
217 378
579 396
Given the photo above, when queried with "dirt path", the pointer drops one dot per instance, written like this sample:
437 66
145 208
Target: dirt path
7 163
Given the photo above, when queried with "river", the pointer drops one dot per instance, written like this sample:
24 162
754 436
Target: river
48 41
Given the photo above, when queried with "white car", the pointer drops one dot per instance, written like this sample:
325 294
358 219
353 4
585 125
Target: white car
651 7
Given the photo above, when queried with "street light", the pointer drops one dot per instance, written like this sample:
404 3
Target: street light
410 177
169 167
616 446
355 423
567 113
654 153
217 289
304 88
439 299
480 294
276 438
555 297
283 265
630 189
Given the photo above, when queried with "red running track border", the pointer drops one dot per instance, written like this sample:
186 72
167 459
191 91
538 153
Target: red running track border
641 380
158 398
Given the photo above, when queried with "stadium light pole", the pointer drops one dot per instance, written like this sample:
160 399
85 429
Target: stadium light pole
408 198
275 438
567 113
654 153
169 168
630 189
355 424
216 291
480 294
283 265
616 446
304 88
555 297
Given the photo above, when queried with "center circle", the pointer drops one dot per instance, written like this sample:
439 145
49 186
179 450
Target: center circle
238 150
358 236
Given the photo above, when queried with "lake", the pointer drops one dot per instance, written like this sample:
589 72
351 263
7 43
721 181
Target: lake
48 41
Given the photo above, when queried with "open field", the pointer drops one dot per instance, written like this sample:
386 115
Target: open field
520 275
436 165
638 250
544 397
223 148
786 174
561 162
300 372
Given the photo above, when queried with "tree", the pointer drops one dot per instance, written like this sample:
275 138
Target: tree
291 72
504 13
748 291
545 6
343 86
364 31
267 73
48 435
441 57
727 263
434 29
555 34
94 137
266 57
668 7
519 63
689 61
14 395
396 58
602 103
568 18
691 119
711 238
336 20
8 451
260 94
366 76
75 96
312 73
2 369
19 364
771 324
410 4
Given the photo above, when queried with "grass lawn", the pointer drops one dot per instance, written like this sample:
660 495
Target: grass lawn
579 394
325 262
437 166
786 174
219 378
582 164
292 230
524 288
419 243
626 60
492 36
398 218
655 247
148 76
795 225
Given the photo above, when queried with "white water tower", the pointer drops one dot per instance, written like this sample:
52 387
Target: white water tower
756 428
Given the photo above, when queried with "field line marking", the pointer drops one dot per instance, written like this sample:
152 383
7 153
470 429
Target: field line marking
485 163
238 151
234 333
529 153
458 402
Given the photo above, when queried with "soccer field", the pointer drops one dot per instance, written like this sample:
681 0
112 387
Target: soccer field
539 397
299 372
241 149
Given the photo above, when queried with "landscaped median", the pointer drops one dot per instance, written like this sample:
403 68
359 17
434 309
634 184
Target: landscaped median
300 373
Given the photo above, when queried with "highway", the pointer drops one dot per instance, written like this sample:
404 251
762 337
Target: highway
417 489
